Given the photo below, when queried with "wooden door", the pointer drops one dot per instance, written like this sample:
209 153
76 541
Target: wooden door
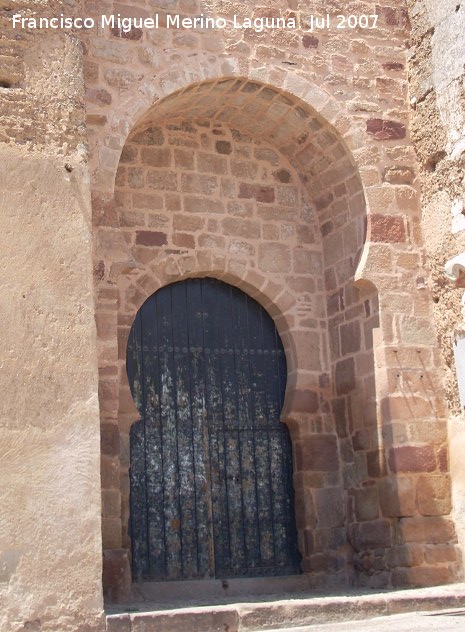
211 474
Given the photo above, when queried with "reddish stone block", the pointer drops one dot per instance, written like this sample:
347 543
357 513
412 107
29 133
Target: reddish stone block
390 15
397 496
329 506
149 136
223 147
370 535
96 119
393 65
183 240
116 575
345 376
309 542
376 464
305 402
421 576
309 41
361 439
324 201
263 194
109 439
412 459
443 459
434 495
431 530
350 338
366 503
132 34
405 555
118 623
386 130
386 228
100 97
325 563
150 238
340 416
318 453
156 157
436 554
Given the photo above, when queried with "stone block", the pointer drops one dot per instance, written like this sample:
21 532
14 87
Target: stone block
223 147
150 238
421 576
111 532
244 169
370 535
330 508
434 495
350 338
274 257
440 553
385 130
109 439
212 163
187 222
339 407
111 503
310 41
317 453
430 530
405 555
118 623
366 503
184 159
264 194
308 345
183 240
156 157
116 578
397 496
386 228
345 376
203 205
412 459
162 180
305 401
147 202
325 563
148 136
201 184
238 227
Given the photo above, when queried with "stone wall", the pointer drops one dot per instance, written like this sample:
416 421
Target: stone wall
50 542
280 162
369 432
438 124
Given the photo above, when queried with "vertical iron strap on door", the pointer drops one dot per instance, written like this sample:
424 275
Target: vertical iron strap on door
211 468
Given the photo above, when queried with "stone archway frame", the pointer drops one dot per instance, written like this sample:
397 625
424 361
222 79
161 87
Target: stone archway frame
383 233
151 94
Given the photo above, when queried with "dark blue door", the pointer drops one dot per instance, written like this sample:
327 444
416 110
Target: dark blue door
211 466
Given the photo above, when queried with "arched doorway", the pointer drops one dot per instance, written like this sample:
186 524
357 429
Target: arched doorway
211 464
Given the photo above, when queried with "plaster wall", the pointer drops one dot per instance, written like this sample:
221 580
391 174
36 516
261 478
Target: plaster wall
50 542
438 124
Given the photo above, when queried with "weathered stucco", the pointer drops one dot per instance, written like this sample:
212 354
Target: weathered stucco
50 542
438 124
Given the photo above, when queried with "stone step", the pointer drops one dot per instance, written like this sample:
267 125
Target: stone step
274 613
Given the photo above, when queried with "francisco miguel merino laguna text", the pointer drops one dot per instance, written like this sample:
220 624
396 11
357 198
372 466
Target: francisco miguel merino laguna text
126 24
